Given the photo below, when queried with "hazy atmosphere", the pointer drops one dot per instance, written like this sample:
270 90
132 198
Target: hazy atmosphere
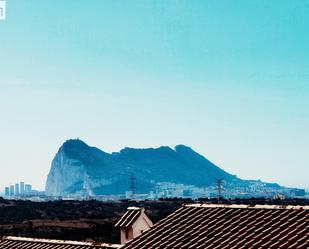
228 78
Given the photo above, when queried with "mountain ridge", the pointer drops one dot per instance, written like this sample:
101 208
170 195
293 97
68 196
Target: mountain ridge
80 169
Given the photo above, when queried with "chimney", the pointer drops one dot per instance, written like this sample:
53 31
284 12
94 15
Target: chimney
133 223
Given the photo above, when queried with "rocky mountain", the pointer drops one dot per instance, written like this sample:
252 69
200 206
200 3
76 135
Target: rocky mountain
79 169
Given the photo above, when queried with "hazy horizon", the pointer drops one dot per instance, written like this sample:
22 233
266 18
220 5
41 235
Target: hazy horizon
229 79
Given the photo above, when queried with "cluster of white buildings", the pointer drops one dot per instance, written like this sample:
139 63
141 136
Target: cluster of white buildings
19 190
171 190
229 190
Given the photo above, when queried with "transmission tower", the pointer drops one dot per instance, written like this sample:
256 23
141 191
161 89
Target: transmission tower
219 188
87 188
132 186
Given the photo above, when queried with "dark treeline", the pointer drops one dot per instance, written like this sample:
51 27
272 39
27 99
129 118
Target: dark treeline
94 220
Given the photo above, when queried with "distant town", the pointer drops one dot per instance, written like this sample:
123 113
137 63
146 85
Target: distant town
23 190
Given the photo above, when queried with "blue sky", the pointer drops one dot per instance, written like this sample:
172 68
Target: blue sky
228 78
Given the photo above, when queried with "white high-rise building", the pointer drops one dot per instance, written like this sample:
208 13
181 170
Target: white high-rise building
22 188
12 192
7 191
28 189
17 189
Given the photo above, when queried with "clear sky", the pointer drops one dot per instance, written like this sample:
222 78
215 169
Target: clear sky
228 78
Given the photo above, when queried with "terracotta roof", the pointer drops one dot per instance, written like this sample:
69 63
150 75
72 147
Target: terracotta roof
29 243
229 227
129 217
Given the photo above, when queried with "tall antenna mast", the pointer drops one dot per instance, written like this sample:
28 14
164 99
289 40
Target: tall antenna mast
219 188
87 188
132 186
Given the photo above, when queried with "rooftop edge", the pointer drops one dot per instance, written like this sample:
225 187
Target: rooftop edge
295 207
62 242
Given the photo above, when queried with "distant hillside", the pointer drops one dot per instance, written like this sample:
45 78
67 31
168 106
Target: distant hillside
80 169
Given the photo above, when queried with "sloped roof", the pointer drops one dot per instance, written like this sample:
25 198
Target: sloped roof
27 243
229 227
129 217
